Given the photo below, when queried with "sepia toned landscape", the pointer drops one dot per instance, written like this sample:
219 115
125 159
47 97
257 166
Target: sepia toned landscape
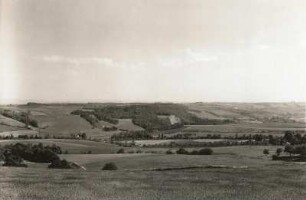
152 100
210 151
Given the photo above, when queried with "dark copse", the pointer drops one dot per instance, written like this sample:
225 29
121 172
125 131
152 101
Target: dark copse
204 151
34 153
132 135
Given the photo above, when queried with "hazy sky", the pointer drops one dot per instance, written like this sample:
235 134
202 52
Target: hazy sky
152 50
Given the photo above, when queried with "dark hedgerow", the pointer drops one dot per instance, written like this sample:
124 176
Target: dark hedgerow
110 166
205 151
120 151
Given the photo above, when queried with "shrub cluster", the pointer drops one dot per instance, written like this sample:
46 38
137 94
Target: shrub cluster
63 164
120 151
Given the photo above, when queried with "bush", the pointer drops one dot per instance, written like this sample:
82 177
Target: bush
266 151
279 151
12 160
275 157
120 151
205 151
182 151
194 152
109 166
138 151
63 164
169 152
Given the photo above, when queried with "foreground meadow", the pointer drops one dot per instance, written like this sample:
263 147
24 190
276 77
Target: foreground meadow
232 173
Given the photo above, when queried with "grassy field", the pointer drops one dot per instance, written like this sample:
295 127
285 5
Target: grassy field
250 176
231 173
6 128
57 120
10 122
16 133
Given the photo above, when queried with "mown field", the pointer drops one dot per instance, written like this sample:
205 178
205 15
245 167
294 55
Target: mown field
246 175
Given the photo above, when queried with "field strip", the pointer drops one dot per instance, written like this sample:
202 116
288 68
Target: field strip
18 132
198 167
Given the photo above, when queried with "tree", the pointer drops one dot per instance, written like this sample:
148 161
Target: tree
266 151
289 149
279 151
83 136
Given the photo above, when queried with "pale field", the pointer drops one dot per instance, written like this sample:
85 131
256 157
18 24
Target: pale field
6 128
127 124
16 133
168 141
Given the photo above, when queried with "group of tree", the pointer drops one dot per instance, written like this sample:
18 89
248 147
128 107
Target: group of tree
294 138
33 153
15 155
147 116
295 146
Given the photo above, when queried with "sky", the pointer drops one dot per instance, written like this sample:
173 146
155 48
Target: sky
152 50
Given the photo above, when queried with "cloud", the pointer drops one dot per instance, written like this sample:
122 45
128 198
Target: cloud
78 61
96 61
188 57
181 58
